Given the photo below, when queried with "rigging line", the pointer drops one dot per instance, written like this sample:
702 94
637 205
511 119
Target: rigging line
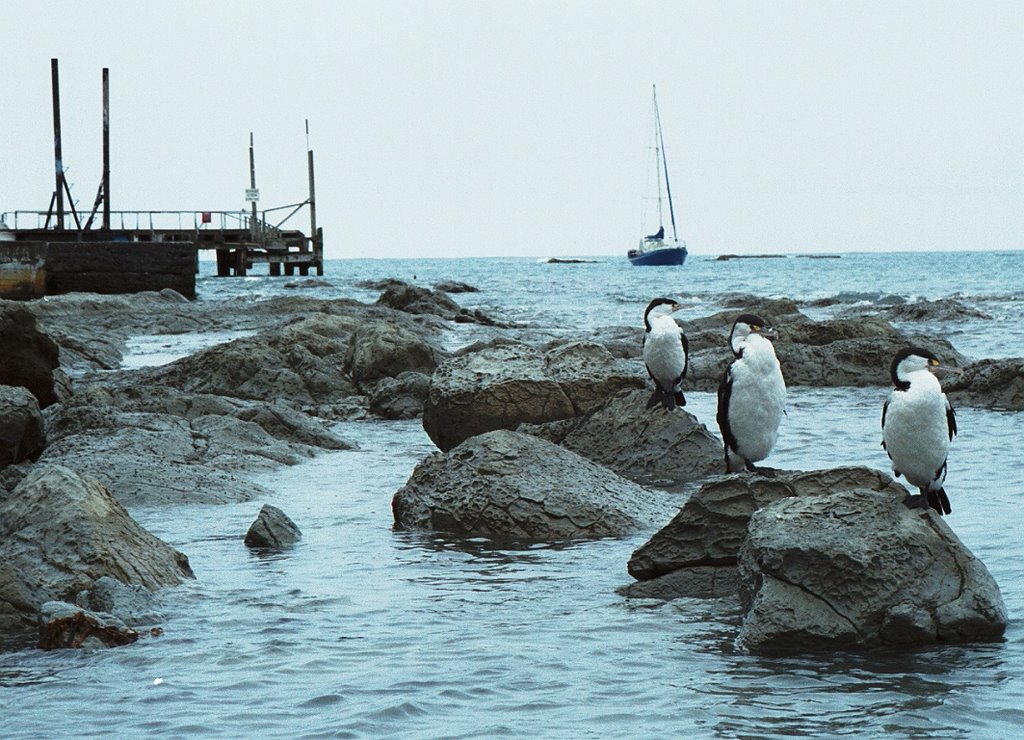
664 160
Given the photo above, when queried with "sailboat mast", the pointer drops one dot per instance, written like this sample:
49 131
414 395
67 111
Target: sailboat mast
657 164
664 164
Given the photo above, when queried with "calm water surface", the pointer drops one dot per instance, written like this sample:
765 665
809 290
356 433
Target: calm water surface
360 631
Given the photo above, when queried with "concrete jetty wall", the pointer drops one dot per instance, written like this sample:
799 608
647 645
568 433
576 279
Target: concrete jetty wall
34 269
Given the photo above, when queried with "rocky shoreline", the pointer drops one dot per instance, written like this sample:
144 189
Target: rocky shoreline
537 438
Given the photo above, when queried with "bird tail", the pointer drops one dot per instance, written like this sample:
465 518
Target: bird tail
939 501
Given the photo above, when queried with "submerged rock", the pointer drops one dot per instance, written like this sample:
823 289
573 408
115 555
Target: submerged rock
860 569
711 526
63 625
272 530
510 485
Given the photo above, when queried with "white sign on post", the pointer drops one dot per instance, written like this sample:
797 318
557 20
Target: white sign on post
252 195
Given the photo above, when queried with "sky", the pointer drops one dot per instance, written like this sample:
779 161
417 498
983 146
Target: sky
493 128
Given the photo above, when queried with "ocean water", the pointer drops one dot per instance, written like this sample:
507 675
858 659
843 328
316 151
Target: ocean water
360 631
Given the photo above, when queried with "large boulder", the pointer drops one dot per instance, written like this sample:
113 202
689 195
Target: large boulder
857 569
503 385
22 436
496 387
382 349
711 526
29 356
60 532
510 485
992 384
589 373
650 446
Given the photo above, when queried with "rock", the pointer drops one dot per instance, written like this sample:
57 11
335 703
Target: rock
60 532
301 361
497 387
839 352
29 356
22 436
412 299
589 374
509 485
944 309
63 625
154 446
653 447
401 397
504 384
308 283
454 286
860 569
700 582
712 524
272 530
133 605
382 349
991 384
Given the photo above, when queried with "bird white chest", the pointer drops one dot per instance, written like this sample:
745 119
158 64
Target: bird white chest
758 399
663 351
916 431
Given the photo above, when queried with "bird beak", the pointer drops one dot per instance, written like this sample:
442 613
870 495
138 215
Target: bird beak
676 307
768 332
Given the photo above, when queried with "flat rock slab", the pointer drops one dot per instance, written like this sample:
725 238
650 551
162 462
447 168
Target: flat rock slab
511 485
860 569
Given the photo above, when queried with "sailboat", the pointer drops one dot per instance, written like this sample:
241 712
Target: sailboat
656 249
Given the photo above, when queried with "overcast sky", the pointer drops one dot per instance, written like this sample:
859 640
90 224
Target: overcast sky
521 128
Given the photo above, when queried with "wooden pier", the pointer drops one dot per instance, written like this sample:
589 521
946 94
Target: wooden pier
62 250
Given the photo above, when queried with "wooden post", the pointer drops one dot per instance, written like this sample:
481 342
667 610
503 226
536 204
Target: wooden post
252 184
57 158
106 149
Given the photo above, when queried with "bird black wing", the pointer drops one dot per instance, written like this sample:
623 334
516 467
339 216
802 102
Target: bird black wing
724 394
686 353
950 418
885 408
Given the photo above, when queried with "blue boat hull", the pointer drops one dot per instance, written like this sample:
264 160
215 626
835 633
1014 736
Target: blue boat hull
658 257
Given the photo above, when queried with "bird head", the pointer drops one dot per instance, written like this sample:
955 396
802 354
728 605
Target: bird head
745 325
660 307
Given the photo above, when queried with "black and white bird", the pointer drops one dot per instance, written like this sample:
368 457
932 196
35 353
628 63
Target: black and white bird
666 353
751 396
918 423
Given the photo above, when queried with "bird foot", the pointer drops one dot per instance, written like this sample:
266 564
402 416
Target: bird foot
764 472
918 501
